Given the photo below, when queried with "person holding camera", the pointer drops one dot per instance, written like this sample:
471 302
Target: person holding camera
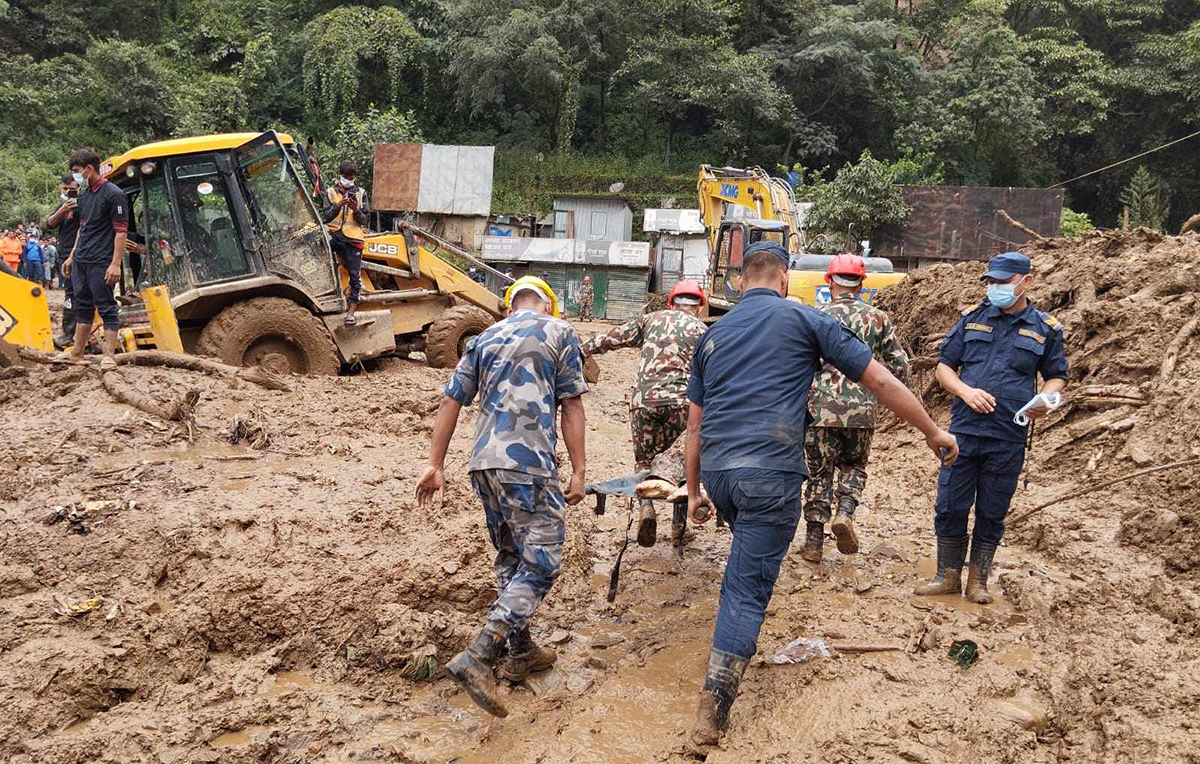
65 220
345 215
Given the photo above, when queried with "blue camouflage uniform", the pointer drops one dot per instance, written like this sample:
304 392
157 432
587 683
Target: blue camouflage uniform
1002 355
521 368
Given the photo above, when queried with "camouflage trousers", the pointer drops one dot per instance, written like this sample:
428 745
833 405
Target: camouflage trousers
836 456
585 307
526 517
654 430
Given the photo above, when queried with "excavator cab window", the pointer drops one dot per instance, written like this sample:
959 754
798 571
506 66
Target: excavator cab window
731 243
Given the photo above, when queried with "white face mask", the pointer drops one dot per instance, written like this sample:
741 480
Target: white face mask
346 182
78 177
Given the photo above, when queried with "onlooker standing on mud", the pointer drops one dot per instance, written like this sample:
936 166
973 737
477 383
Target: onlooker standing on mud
523 369
49 260
586 299
66 220
749 388
346 217
10 251
838 441
94 265
31 259
989 362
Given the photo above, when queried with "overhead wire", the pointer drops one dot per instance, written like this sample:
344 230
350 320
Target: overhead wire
1129 159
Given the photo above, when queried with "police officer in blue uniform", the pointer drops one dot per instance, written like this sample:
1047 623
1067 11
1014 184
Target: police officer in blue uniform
989 362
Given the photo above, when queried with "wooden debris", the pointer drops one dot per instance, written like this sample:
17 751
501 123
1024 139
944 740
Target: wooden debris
178 411
1100 486
1003 215
1171 357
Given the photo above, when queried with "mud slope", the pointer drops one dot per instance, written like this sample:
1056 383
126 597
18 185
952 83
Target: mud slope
279 605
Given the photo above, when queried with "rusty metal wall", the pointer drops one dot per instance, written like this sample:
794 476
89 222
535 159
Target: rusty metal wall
397 178
960 223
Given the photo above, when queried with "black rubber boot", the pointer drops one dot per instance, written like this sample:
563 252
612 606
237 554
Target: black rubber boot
814 538
982 555
720 689
525 657
472 670
843 526
951 552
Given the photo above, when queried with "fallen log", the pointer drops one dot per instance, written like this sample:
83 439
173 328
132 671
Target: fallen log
255 374
1099 487
1093 426
1171 357
1019 225
178 411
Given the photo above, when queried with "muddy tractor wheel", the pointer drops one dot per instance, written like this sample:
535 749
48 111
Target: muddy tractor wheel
447 337
272 332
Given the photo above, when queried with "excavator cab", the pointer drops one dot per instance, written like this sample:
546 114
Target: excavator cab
732 239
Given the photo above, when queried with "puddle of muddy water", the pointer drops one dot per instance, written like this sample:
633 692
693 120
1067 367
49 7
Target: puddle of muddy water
237 737
926 568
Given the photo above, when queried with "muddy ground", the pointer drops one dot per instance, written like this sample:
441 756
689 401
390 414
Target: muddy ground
274 605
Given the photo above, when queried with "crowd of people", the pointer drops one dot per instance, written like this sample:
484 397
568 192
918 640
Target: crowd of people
27 253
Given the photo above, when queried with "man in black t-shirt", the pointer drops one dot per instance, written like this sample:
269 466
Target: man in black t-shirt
94 266
66 220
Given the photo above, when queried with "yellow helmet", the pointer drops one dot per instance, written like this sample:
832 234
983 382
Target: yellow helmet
532 282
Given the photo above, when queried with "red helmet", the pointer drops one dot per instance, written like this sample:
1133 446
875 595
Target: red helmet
846 264
685 289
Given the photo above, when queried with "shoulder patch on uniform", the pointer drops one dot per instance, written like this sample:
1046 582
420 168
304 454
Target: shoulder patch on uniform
972 309
979 327
1050 320
1031 333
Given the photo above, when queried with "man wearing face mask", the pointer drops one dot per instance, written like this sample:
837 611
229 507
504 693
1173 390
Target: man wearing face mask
989 362
94 265
346 217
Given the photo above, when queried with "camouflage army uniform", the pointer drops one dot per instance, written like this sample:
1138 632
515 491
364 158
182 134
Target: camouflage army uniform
844 412
658 409
521 368
586 298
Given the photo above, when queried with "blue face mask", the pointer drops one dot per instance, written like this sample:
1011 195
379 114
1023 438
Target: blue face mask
78 177
1002 295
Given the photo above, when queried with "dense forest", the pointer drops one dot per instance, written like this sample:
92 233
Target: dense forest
978 92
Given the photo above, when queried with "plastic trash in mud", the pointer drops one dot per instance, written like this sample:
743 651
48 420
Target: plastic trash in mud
964 652
802 650
60 605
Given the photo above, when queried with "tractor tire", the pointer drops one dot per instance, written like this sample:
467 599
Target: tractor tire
447 338
272 332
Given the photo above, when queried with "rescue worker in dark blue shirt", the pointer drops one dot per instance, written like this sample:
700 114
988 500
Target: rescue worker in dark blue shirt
748 403
989 362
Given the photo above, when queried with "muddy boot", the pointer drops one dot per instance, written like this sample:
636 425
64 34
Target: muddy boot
647 532
472 670
950 555
814 537
843 527
525 657
977 575
720 690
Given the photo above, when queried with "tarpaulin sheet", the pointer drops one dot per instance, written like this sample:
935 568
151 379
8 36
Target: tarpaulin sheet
456 180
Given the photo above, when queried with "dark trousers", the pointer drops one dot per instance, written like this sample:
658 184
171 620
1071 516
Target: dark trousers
68 314
92 295
985 476
350 257
762 508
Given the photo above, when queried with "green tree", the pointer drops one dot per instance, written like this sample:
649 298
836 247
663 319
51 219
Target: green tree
860 200
1075 223
1146 198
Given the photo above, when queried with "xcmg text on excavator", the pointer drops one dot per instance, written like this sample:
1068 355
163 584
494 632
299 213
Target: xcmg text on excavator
739 207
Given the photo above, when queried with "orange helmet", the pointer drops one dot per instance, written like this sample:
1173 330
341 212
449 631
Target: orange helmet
686 289
845 264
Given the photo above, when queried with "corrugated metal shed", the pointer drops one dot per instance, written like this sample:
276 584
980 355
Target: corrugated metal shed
598 218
